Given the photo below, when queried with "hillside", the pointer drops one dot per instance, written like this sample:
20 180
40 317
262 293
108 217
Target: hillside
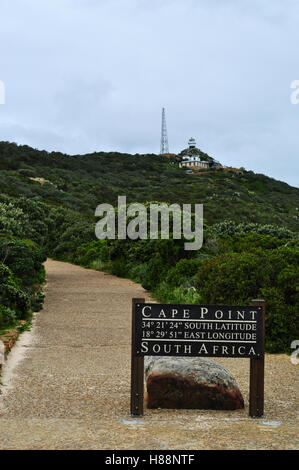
81 182
250 246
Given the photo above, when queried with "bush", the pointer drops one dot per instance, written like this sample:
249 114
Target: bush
281 321
183 272
153 272
71 237
24 258
178 295
14 221
7 316
231 228
12 295
20 279
87 253
249 242
37 297
237 278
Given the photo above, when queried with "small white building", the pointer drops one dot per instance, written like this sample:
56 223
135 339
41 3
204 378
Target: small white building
193 160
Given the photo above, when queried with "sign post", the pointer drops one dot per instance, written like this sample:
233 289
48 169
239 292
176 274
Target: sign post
257 365
137 369
198 331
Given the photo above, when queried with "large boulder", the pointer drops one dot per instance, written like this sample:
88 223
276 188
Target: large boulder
190 383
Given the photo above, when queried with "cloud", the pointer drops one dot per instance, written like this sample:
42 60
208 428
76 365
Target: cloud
85 75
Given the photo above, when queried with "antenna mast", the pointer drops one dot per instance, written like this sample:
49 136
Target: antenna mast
164 139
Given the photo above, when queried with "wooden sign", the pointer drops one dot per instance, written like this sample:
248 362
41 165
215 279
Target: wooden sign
202 331
198 330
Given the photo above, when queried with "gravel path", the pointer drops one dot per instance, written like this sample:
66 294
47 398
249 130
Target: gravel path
66 384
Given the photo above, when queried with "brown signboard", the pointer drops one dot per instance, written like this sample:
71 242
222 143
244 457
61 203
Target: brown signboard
198 330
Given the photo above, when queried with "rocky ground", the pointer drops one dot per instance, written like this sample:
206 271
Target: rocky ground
66 384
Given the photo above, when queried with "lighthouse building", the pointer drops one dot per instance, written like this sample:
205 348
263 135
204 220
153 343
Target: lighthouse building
191 157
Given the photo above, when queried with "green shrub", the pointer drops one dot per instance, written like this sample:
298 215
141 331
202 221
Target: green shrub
237 278
183 272
89 252
5 273
72 235
16 299
281 321
20 279
37 297
231 228
164 293
12 296
7 316
249 242
24 259
13 220
153 272
119 267
135 272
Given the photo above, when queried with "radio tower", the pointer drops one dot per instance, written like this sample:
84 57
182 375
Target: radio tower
164 139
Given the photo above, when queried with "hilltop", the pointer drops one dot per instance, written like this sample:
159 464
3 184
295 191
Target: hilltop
81 182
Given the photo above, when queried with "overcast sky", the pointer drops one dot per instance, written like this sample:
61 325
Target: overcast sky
91 75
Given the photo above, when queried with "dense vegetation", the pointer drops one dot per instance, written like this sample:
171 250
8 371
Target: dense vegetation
21 263
250 250
259 262
81 182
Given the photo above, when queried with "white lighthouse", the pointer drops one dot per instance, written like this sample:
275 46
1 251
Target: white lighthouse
191 143
192 157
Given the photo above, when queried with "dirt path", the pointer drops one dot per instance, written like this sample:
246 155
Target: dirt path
70 387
